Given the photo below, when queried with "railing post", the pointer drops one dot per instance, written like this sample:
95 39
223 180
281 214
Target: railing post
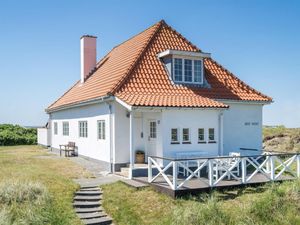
244 170
211 173
149 169
175 173
272 167
298 165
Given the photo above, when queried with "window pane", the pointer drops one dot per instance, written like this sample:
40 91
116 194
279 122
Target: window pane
188 70
152 129
201 134
66 128
101 129
83 129
185 134
178 69
55 127
174 135
211 134
197 71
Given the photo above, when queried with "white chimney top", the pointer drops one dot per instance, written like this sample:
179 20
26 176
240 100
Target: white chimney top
88 56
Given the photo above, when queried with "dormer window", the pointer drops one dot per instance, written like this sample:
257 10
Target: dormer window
187 71
184 67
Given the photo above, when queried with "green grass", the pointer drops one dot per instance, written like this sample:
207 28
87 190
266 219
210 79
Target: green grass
35 188
269 204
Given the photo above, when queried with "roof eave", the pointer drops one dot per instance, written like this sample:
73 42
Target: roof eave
81 103
260 102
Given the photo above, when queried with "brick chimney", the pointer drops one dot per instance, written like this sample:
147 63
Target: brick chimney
88 57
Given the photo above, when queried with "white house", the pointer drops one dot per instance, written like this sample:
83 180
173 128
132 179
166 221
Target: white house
159 93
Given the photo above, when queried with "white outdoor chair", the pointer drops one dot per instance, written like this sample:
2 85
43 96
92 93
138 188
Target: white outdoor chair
223 165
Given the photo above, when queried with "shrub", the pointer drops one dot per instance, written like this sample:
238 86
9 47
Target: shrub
17 135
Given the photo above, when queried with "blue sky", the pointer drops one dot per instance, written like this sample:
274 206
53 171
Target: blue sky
259 41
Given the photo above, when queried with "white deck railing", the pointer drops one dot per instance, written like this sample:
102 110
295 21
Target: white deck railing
273 166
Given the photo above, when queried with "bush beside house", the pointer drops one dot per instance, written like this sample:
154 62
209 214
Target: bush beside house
17 135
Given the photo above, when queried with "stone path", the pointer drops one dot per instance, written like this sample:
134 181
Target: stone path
88 200
87 204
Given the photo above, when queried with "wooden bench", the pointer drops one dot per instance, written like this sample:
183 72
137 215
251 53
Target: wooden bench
70 147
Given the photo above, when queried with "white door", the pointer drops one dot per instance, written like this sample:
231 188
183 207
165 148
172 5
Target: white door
152 136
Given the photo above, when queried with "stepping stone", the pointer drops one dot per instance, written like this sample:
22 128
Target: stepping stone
88 192
101 220
85 204
91 215
87 198
90 189
88 210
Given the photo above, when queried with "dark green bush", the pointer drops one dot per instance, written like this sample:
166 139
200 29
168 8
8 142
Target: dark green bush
17 135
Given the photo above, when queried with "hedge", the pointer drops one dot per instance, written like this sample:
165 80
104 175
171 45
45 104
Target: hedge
17 135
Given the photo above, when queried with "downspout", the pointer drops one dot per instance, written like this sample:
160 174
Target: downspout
112 167
220 146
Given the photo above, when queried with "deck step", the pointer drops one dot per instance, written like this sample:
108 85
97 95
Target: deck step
134 183
88 192
87 198
91 215
88 210
85 204
96 221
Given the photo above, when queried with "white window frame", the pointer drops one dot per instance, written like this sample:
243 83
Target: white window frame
65 130
152 132
83 133
101 129
183 70
178 136
212 140
55 128
189 133
203 140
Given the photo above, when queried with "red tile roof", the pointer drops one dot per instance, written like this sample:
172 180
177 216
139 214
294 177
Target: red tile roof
132 72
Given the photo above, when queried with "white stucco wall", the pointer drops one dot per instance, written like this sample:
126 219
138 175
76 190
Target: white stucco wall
121 134
90 146
43 136
192 119
238 135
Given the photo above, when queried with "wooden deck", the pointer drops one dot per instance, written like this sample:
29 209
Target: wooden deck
198 185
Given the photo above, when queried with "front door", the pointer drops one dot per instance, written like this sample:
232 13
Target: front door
152 136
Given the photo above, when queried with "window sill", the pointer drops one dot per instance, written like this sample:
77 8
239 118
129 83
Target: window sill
175 143
212 142
187 142
202 142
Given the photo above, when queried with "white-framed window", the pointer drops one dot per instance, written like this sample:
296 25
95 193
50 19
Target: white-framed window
178 69
201 135
153 129
198 73
185 135
55 128
65 126
211 134
101 129
83 128
174 135
188 70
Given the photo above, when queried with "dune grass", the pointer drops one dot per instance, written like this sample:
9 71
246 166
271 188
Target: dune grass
269 204
36 188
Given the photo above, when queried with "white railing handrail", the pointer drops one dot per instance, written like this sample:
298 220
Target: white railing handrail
270 165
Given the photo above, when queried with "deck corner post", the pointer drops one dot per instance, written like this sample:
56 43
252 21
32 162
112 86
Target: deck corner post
244 170
298 165
175 173
272 167
149 170
211 173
